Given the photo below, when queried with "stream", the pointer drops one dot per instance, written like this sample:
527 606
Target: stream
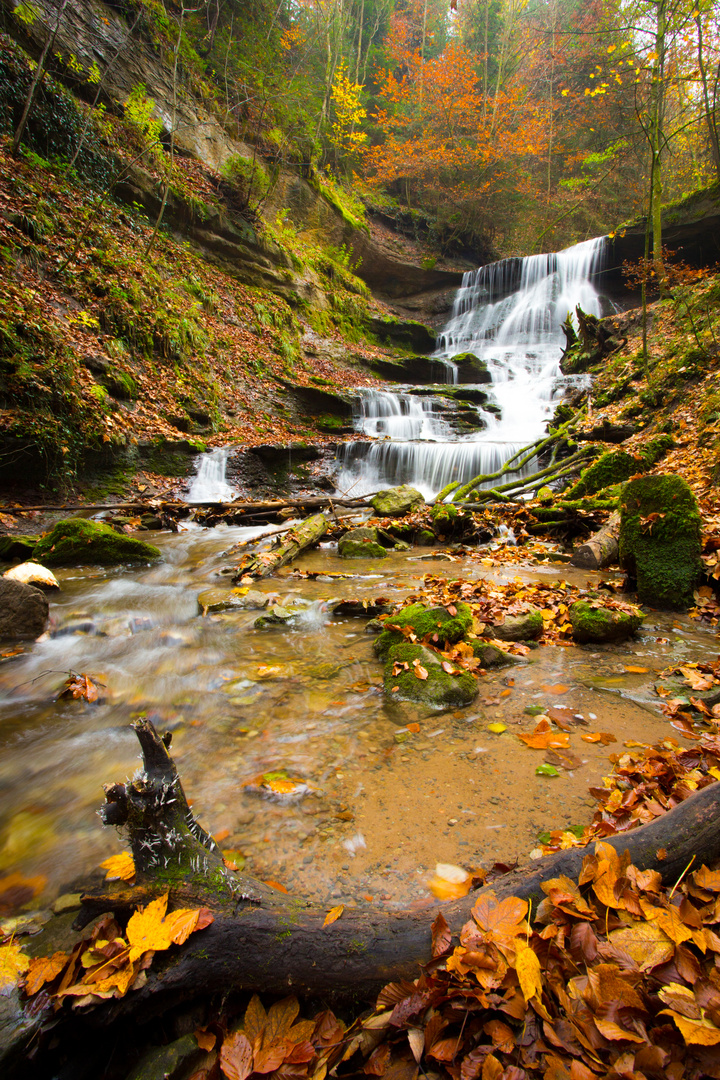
382 790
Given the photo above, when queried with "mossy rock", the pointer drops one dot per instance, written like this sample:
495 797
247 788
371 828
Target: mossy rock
656 449
17 548
525 627
77 542
444 516
660 540
491 656
611 468
471 369
362 543
425 538
601 624
426 623
440 690
396 502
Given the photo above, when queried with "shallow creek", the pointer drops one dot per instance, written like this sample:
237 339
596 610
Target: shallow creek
383 806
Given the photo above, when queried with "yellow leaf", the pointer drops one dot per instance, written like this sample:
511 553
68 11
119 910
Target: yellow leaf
529 975
497 729
180 924
334 914
645 943
119 867
701 1032
146 931
13 964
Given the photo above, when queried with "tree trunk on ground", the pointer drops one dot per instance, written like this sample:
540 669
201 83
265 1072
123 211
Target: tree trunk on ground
264 940
265 563
601 549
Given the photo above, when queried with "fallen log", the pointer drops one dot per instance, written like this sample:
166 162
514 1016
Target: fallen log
264 940
153 505
602 547
265 563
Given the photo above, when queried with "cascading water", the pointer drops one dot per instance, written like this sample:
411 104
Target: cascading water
209 484
510 315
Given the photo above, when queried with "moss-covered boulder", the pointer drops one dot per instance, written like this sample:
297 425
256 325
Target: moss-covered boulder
525 627
433 624
362 543
471 369
491 656
17 548
591 621
660 541
414 673
611 468
76 542
395 502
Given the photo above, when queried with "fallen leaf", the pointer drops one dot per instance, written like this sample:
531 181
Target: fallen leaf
527 966
13 964
334 914
637 670
603 737
497 728
43 969
555 688
119 867
546 770
236 1056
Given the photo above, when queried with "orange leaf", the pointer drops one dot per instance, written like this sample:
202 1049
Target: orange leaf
441 935
420 671
604 737
180 924
637 670
500 921
413 728
205 1039
236 1056
275 885
555 688
119 867
334 914
43 969
146 930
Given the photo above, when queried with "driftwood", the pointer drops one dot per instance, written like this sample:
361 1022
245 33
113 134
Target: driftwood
176 506
265 563
264 940
601 549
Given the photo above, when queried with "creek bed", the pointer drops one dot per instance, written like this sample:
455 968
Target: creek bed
381 805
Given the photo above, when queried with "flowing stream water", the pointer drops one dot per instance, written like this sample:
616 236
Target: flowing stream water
510 315
385 789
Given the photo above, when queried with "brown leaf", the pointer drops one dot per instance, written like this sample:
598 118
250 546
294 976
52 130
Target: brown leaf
280 1018
255 1019
501 1035
205 1039
236 1056
492 1069
377 1063
420 671
441 935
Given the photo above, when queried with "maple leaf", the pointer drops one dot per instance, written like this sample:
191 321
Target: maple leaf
43 969
119 867
13 964
500 922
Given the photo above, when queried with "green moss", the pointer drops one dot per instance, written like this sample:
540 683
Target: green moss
660 530
656 448
439 690
610 468
435 625
599 624
76 541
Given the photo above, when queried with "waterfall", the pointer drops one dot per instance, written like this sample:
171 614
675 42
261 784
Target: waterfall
209 483
510 314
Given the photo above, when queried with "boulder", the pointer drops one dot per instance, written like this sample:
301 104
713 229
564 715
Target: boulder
439 690
17 548
76 542
591 621
525 627
32 573
23 611
212 600
471 369
491 656
396 502
278 615
660 540
361 543
434 624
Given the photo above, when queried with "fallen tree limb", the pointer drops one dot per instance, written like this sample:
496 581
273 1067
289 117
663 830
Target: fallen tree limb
265 563
264 940
153 505
602 547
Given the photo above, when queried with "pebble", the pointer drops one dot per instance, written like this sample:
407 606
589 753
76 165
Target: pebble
452 821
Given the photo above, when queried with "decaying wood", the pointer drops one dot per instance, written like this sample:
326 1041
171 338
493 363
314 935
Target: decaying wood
303 536
153 506
601 549
273 942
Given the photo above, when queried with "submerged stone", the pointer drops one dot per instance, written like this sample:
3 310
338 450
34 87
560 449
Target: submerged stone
212 600
600 624
491 656
361 543
434 624
660 540
439 690
395 502
77 542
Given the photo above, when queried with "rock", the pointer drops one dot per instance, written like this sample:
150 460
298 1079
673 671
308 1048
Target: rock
491 656
23 611
17 548
471 369
32 573
611 468
525 627
660 540
426 623
425 538
608 432
151 522
78 542
278 615
361 543
212 600
396 502
593 622
410 334
172 1062
69 901
440 689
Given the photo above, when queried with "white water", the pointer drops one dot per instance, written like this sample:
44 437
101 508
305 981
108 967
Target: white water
510 314
209 484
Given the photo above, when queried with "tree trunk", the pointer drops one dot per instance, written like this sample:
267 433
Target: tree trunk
264 940
601 549
262 565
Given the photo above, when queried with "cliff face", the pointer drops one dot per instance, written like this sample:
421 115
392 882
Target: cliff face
94 32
